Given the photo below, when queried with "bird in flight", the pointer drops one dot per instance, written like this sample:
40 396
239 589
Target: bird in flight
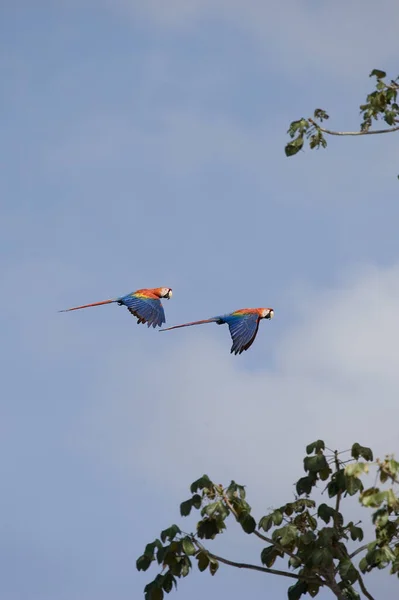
144 304
243 325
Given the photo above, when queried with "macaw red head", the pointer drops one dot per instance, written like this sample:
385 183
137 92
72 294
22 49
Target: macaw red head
267 313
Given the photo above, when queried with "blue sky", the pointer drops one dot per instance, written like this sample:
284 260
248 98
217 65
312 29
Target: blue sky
142 146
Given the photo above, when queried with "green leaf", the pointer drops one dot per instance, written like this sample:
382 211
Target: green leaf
325 512
294 562
213 566
155 593
161 554
247 522
348 571
337 483
315 463
210 509
353 485
196 501
149 549
209 528
363 451
168 582
392 500
363 564
203 561
317 446
307 538
325 473
188 546
143 562
322 557
277 517
305 484
266 522
170 533
373 497
185 508
377 73
357 468
294 147
296 591
200 484
313 589
286 535
326 536
269 555
356 532
320 114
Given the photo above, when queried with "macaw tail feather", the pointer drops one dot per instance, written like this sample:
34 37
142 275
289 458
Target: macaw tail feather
89 305
213 320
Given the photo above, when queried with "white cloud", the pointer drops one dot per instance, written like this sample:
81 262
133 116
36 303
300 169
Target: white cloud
199 410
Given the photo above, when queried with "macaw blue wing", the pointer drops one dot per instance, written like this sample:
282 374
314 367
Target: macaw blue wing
147 310
243 330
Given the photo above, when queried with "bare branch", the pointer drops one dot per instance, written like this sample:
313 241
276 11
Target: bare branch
375 131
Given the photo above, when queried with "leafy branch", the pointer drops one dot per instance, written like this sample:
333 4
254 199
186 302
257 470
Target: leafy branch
380 104
313 537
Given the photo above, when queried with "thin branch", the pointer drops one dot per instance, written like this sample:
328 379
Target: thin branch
339 494
232 563
363 587
364 547
330 132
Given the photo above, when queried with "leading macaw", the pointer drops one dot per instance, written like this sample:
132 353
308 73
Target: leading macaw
243 325
144 304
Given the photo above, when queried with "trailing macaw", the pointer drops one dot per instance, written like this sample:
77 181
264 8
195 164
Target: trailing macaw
144 304
243 325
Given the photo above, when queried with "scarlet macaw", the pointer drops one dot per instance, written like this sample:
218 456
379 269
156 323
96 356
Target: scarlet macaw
243 325
144 304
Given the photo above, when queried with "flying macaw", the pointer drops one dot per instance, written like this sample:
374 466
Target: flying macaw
144 304
243 325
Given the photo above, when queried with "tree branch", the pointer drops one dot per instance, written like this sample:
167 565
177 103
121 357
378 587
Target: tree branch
232 563
358 550
330 132
339 494
363 587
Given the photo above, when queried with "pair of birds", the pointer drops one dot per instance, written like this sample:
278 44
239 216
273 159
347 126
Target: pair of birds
146 305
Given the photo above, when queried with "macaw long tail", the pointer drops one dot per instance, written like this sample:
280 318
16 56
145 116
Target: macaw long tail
88 305
213 320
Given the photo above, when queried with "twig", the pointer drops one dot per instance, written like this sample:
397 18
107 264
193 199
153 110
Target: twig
375 131
339 493
232 563
363 587
364 547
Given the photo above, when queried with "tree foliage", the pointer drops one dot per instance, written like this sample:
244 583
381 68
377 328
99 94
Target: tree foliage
381 103
310 534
